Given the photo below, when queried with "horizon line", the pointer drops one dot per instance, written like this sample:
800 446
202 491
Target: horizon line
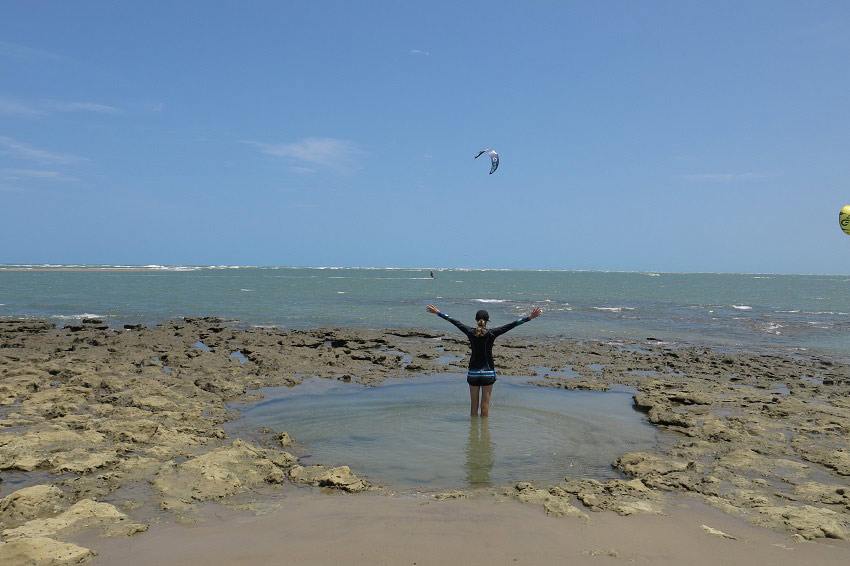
193 267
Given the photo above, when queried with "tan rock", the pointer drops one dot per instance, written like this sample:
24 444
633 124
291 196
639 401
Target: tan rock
637 507
453 495
746 460
815 492
37 446
43 551
220 473
715 532
644 463
81 461
554 504
326 476
82 515
808 521
29 503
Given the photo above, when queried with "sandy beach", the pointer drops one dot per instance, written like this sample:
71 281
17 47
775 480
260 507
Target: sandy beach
108 433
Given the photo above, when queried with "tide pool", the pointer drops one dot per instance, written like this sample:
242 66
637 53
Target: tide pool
417 433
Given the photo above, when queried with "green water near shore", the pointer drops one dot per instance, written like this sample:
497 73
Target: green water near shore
418 433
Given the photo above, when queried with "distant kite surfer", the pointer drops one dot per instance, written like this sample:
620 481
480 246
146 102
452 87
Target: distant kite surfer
432 275
481 374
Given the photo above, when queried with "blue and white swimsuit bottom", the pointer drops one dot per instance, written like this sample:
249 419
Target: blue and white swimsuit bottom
481 377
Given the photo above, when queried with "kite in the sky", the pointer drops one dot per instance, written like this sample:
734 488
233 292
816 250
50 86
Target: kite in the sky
494 158
844 219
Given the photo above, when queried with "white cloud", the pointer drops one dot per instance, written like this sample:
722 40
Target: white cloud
21 150
23 174
19 51
723 177
419 52
310 153
14 108
86 107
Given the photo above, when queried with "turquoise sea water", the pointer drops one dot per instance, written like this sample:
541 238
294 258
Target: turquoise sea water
784 311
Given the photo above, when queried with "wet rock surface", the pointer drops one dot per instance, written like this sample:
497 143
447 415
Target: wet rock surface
340 477
136 416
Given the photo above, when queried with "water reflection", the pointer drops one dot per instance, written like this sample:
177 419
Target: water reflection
479 453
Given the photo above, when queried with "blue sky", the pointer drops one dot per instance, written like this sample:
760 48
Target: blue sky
670 136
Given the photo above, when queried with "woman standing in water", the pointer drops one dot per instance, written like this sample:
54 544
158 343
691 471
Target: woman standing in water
482 373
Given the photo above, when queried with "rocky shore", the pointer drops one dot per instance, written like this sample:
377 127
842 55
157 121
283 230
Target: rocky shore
110 428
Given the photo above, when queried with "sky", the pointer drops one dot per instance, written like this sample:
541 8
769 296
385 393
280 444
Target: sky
633 135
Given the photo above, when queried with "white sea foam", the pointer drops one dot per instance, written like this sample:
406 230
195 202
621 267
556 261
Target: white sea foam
761 277
155 267
815 312
490 300
613 309
340 292
76 316
247 290
773 328
653 274
742 307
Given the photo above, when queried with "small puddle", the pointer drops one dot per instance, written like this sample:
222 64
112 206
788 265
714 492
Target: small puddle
779 388
417 433
446 359
201 346
238 355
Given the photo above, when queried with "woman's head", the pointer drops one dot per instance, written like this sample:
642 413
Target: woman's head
481 317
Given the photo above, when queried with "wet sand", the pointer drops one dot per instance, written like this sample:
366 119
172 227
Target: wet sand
119 431
365 529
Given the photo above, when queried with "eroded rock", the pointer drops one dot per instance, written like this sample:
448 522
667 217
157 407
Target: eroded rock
220 473
82 515
325 476
43 551
29 503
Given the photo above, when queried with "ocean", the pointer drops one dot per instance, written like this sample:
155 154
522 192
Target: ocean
784 312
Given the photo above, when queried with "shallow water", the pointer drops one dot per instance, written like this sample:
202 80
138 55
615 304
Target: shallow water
418 433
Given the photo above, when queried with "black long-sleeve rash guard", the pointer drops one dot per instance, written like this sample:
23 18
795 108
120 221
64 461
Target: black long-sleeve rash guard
482 346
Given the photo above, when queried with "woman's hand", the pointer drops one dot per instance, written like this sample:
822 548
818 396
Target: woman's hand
536 312
432 309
